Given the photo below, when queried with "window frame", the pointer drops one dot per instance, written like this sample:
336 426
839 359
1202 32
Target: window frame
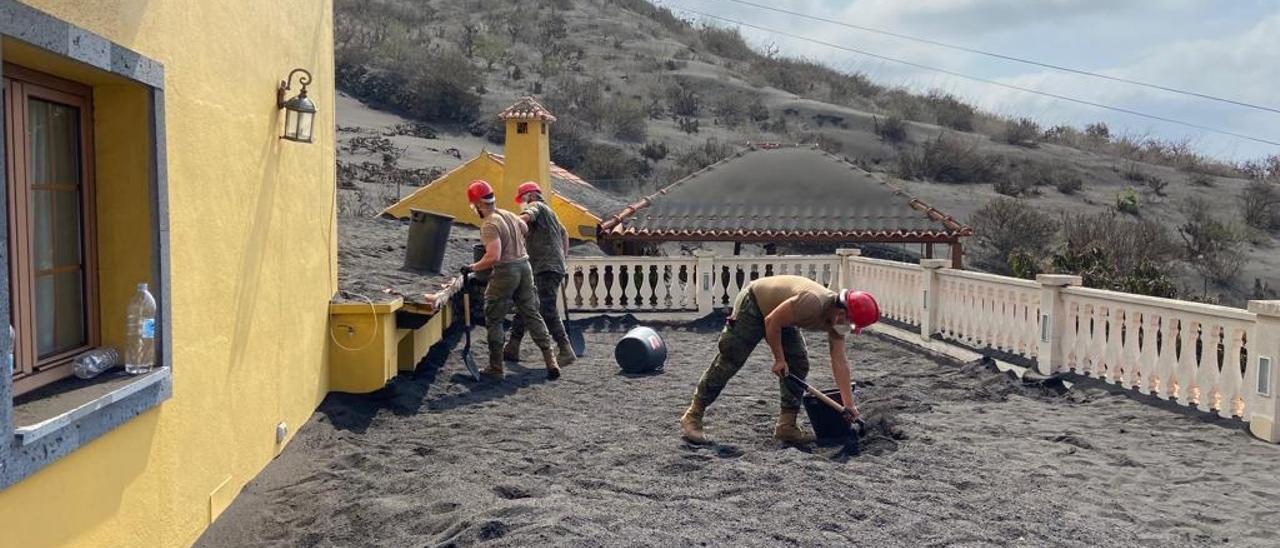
21 85
27 449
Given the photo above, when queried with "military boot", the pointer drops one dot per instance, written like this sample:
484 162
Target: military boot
494 370
511 352
787 431
565 356
691 424
553 369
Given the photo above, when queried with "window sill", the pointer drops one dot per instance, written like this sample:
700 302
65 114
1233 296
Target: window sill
34 446
132 393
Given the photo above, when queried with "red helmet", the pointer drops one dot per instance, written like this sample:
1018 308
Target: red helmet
861 308
479 191
525 188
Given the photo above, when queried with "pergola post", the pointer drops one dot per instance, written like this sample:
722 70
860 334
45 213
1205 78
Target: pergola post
957 254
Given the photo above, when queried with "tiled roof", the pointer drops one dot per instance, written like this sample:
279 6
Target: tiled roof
527 108
788 193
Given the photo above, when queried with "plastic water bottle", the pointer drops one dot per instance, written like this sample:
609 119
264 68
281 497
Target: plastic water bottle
92 363
140 348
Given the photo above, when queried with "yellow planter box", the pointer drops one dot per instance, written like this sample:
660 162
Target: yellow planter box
368 349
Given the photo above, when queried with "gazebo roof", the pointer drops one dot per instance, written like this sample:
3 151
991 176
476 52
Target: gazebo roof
782 193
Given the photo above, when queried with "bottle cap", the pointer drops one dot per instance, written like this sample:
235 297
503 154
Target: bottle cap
142 286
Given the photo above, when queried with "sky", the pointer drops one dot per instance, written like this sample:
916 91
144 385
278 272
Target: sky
1226 48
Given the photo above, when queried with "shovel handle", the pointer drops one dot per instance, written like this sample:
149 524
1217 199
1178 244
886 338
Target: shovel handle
817 394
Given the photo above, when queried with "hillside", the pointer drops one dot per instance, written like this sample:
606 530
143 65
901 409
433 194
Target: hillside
644 98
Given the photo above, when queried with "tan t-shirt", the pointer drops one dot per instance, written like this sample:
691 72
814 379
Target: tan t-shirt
505 227
812 307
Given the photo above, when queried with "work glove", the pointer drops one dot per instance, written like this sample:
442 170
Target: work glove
466 269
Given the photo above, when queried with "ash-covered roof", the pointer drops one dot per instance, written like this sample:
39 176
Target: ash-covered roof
782 193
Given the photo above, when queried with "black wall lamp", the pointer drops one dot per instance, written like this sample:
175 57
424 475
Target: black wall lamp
299 111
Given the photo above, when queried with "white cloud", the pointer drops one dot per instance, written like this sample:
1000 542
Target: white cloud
1226 49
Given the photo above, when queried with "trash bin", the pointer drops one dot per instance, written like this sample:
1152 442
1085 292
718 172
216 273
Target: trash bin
641 350
428 240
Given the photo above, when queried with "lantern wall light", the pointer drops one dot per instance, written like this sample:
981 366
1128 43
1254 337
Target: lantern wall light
299 111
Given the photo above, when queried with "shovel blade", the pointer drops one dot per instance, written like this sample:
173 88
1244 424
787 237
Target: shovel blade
577 341
470 363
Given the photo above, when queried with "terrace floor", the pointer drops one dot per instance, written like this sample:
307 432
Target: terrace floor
594 460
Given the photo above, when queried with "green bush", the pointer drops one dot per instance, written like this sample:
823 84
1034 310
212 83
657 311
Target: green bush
1127 201
1213 247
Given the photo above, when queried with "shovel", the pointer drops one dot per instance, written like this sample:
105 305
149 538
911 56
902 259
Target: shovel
467 359
851 446
576 339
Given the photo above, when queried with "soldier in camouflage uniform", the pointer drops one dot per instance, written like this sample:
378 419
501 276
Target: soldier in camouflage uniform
502 233
775 309
547 245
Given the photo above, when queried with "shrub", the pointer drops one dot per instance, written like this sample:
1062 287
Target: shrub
1213 247
1157 185
1023 132
697 157
1133 172
1126 242
950 112
891 129
654 151
731 109
757 111
570 141
1200 179
612 167
1069 184
947 160
683 102
626 118
726 42
1260 205
1010 185
1004 226
1098 132
1127 201
688 125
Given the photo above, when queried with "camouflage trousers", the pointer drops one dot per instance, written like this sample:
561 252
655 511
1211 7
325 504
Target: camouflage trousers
512 282
548 287
738 339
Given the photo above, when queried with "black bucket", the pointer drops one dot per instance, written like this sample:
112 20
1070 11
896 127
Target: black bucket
480 278
428 240
641 350
828 424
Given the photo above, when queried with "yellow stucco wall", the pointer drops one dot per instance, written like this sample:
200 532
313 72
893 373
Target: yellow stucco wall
253 267
528 156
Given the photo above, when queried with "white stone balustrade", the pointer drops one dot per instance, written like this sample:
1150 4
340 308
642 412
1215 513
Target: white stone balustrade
1218 359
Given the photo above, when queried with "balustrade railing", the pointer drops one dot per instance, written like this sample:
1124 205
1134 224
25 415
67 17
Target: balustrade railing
1214 358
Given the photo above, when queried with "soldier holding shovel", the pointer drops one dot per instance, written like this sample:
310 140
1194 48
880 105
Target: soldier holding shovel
776 308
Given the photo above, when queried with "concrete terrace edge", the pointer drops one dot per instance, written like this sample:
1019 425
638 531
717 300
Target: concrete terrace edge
25 451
